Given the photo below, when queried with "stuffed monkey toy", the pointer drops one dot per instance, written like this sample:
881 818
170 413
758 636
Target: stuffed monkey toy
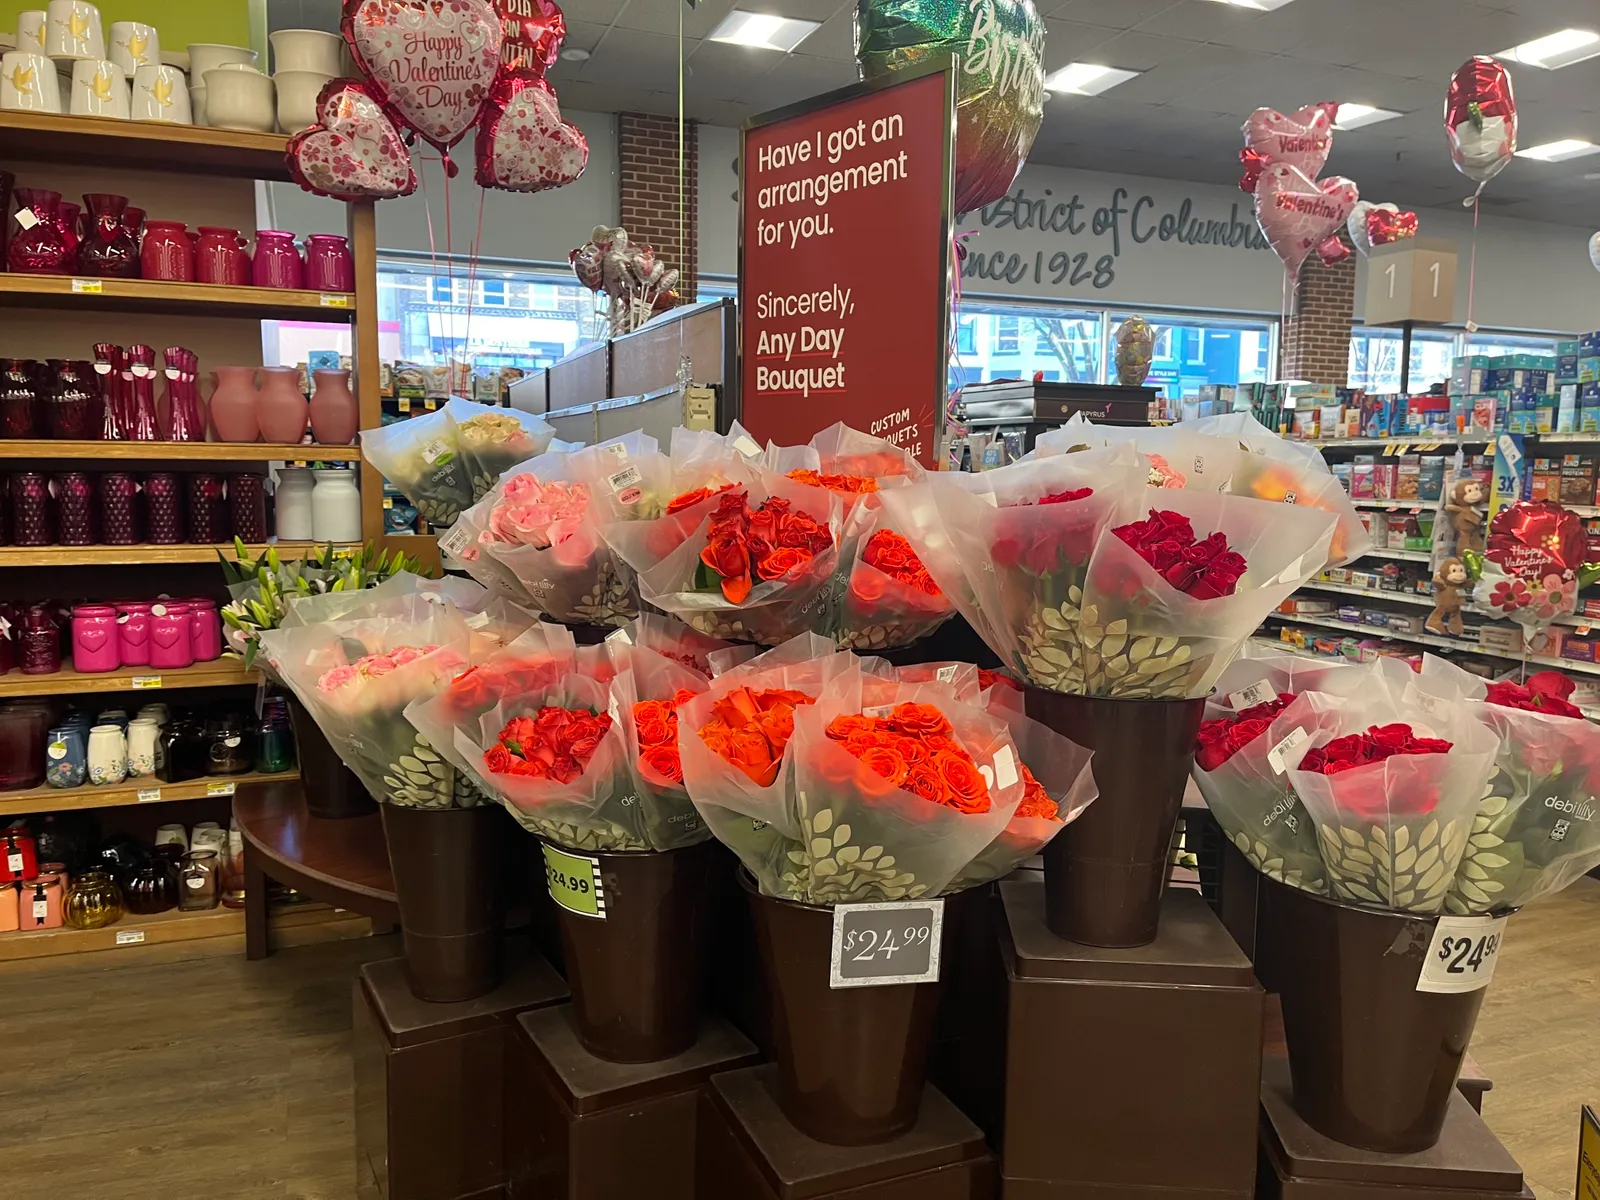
1447 598
1465 496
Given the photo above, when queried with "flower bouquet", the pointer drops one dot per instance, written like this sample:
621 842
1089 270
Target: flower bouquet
422 457
672 639
492 440
1173 456
891 600
853 464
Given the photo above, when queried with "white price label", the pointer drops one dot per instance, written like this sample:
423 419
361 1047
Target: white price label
1508 448
1257 693
149 795
746 446
1434 706
1462 955
141 682
434 450
456 540
620 637
220 789
194 883
14 863
626 478
617 450
946 673
1005 767
330 300
41 909
87 286
129 937
26 219
57 750
876 711
1285 754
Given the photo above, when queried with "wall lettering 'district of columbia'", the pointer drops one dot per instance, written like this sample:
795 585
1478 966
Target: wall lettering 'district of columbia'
1116 223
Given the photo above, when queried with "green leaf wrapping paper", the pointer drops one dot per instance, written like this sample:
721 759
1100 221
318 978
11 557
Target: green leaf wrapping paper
422 457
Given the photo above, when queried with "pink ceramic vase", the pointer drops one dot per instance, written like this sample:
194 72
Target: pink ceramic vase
281 408
334 415
233 405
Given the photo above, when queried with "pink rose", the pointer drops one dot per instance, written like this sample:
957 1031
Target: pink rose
336 678
575 547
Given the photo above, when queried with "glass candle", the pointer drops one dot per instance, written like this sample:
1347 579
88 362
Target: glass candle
208 509
247 506
163 500
76 507
32 513
120 509
199 881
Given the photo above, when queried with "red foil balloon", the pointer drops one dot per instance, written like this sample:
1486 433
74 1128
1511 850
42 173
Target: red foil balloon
1480 119
353 152
523 145
531 33
1530 568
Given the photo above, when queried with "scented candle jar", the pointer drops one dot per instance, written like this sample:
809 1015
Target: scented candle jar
208 509
66 757
95 648
247 506
163 501
171 642
133 633
8 908
120 509
76 509
198 873
205 628
40 652
32 513
39 904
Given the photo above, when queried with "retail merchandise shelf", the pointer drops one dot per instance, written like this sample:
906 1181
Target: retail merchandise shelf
1401 504
142 145
1401 555
133 791
1573 438
1447 643
50 448
163 298
222 672
73 556
1418 444
290 924
1317 585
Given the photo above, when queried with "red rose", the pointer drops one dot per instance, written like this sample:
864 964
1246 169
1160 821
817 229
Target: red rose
967 790
498 759
919 720
1067 497
781 562
664 761
887 762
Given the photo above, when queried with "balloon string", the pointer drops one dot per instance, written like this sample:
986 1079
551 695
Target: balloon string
449 266
1472 273
427 211
683 244
958 253
472 272
1283 324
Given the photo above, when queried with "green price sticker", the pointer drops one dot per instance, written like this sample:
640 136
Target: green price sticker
575 882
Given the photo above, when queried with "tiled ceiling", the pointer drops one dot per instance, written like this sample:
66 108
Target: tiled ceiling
1206 65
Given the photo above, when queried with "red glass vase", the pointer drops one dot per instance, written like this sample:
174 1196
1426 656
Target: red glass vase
71 409
167 253
277 262
108 248
19 398
109 362
220 257
37 249
140 379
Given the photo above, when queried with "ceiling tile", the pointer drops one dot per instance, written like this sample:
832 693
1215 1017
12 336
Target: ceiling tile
1115 14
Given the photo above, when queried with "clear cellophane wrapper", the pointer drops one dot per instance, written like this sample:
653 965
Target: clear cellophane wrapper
363 720
597 811
671 638
421 456
878 611
1173 455
667 561
757 823
402 594
1135 636
494 439
670 818
1275 469
961 678
1538 828
581 580
1392 833
462 549
915 514
841 450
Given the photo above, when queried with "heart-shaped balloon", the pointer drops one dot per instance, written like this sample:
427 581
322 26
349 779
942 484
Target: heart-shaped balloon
1300 139
531 34
1297 214
1594 251
523 145
1379 224
585 262
354 152
1530 566
430 62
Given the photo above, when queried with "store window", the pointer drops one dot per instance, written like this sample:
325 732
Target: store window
993 342
1189 354
1503 343
1375 356
1005 335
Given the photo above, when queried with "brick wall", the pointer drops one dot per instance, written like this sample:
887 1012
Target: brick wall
1316 339
647 158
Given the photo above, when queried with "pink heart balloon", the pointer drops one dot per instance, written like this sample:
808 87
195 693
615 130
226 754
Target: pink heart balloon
1300 140
354 151
1297 214
523 145
430 62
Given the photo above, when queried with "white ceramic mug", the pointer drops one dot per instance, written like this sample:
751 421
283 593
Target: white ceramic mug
297 98
28 82
197 105
133 45
99 89
241 100
306 50
212 838
208 56
160 93
73 30
172 835
30 30
108 754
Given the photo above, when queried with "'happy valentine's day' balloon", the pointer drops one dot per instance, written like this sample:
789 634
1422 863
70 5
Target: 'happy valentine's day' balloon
1300 140
1530 565
531 34
1297 215
999 82
1480 119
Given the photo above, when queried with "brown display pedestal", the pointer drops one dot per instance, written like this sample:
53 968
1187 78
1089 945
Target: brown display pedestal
581 1128
748 1150
1298 1163
1128 1072
430 1079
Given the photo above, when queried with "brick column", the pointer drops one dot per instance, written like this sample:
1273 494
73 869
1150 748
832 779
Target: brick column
647 155
1316 339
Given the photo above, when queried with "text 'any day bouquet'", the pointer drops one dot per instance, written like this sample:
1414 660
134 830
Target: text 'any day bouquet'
1084 580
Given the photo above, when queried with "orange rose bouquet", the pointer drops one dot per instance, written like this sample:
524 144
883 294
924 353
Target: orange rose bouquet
671 638
852 464
892 600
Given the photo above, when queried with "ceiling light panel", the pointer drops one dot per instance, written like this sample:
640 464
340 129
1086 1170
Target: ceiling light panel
1555 50
1560 151
1086 79
1257 5
763 30
1354 116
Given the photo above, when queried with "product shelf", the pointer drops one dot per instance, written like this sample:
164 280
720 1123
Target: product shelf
222 672
164 298
72 556
53 448
1400 555
293 924
1407 505
142 146
45 798
1446 643
1317 585
1416 444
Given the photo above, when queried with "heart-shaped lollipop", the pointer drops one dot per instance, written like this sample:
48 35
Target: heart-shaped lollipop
1297 214
523 145
1300 139
354 151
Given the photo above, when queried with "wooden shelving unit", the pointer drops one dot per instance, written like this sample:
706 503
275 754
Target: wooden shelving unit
76 556
134 791
300 923
172 299
51 448
142 146
223 672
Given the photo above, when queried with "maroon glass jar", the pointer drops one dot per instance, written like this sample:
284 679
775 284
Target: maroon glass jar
208 509
40 650
72 406
77 511
120 509
19 398
32 513
163 504
247 506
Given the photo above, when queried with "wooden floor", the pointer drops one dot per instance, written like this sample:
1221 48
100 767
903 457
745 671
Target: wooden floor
217 1077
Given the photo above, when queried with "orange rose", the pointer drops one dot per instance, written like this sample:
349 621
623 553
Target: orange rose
840 728
919 719
664 761
965 786
887 763
781 562
1036 801
925 781
912 750
657 732
717 737
750 751
681 697
651 710
777 723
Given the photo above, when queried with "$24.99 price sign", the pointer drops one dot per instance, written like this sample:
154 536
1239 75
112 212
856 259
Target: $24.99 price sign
877 944
1462 955
575 882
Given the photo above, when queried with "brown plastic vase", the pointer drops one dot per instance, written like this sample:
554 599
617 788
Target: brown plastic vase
444 862
1105 872
852 1062
637 974
1374 1060
332 790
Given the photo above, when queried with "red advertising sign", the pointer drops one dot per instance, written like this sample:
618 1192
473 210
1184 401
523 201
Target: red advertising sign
844 211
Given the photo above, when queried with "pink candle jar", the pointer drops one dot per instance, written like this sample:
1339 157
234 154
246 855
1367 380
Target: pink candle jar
329 266
95 647
277 262
133 633
208 509
32 515
171 636
119 508
205 627
75 507
163 501
219 257
167 252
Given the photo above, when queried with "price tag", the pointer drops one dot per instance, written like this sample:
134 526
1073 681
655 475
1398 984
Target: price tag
1462 955
1283 756
626 478
616 450
429 403
1005 767
1257 693
26 219
129 937
14 863
404 405
575 882
141 682
620 637
332 300
90 287
149 795
41 909
876 944
56 750
947 673
456 540
219 789
876 711
388 502
746 446
1434 706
